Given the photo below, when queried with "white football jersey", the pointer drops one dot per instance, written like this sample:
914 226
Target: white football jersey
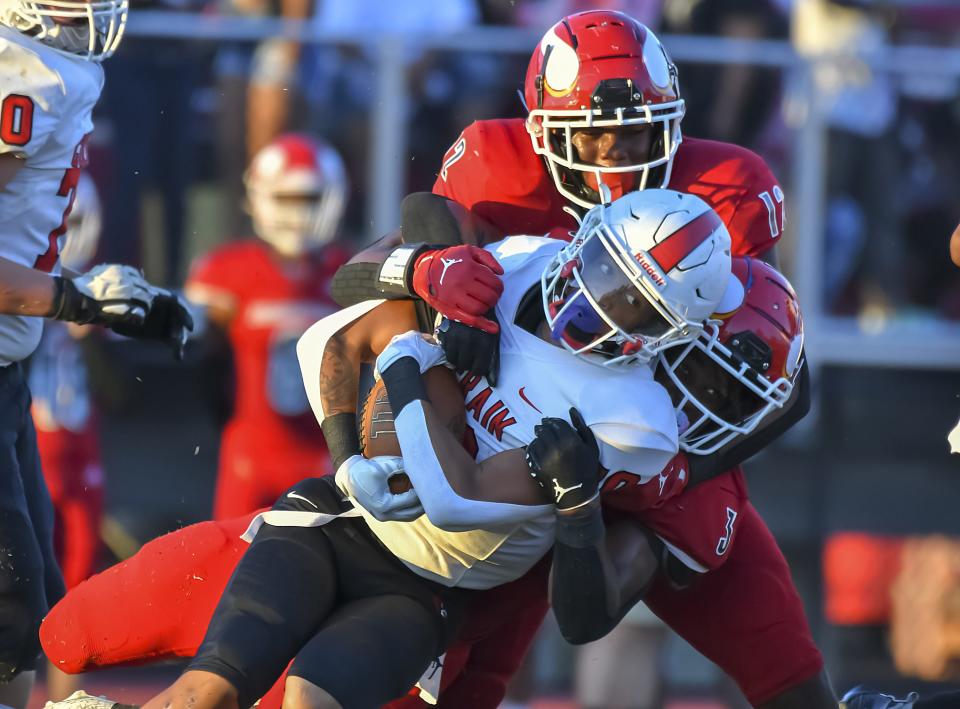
630 414
46 101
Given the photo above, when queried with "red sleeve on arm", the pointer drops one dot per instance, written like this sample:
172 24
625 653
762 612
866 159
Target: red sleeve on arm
213 270
221 276
462 175
739 186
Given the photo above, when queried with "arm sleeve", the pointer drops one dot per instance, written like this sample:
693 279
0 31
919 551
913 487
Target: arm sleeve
757 222
442 505
426 219
214 280
586 593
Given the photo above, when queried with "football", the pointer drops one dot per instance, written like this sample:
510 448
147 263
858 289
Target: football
377 433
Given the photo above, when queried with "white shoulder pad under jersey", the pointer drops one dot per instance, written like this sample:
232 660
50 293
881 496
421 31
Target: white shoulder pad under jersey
46 101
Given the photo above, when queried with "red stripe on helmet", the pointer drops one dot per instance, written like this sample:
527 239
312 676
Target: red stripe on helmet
681 243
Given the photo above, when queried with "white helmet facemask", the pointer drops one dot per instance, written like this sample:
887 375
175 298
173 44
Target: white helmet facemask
91 30
552 135
720 397
596 303
642 274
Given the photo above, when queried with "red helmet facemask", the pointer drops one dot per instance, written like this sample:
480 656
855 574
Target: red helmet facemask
602 71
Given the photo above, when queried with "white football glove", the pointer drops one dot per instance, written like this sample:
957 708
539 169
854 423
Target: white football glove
119 297
105 294
364 480
423 348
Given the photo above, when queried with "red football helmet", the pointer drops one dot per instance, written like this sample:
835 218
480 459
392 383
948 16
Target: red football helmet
742 367
595 70
296 193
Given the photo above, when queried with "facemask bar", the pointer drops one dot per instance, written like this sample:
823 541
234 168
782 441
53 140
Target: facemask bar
559 286
105 24
542 122
697 438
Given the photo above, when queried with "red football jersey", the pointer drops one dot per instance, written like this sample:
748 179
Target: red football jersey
272 425
492 170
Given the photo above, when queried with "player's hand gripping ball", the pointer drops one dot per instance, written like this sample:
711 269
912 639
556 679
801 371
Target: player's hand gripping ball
378 435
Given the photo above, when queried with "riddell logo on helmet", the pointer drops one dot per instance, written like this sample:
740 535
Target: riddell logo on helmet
652 271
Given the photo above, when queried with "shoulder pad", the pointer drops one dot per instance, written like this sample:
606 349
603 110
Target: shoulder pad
634 422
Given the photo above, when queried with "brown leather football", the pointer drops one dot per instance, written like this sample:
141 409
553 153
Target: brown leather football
377 433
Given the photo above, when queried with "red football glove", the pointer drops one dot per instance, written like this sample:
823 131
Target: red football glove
461 282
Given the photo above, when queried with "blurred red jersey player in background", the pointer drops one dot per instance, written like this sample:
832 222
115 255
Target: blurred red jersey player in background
259 296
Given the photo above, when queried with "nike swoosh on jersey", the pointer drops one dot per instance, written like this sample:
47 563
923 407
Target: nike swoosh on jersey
524 397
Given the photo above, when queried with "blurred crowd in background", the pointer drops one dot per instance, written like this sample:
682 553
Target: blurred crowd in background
857 493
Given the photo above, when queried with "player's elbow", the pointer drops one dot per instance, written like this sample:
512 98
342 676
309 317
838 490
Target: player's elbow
447 517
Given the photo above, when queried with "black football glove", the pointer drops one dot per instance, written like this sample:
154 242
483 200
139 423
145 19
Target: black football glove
107 294
168 320
468 349
120 298
565 461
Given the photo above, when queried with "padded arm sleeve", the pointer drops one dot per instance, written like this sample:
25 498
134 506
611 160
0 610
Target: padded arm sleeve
424 218
584 593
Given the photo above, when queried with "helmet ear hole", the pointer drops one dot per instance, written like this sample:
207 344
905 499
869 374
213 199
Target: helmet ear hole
750 349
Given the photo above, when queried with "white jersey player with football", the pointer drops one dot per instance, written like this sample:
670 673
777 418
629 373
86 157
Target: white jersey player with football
358 608
641 275
50 79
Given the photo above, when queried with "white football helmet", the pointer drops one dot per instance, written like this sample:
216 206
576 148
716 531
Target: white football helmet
296 193
83 227
641 275
91 29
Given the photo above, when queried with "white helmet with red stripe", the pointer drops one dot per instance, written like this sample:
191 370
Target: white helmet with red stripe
641 275
296 193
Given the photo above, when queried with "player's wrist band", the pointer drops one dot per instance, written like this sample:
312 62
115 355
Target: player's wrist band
60 300
404 384
396 274
581 527
343 441
69 304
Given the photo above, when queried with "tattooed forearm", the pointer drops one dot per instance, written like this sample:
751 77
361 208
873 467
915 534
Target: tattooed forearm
339 377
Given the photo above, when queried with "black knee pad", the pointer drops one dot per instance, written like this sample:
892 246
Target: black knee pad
277 597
